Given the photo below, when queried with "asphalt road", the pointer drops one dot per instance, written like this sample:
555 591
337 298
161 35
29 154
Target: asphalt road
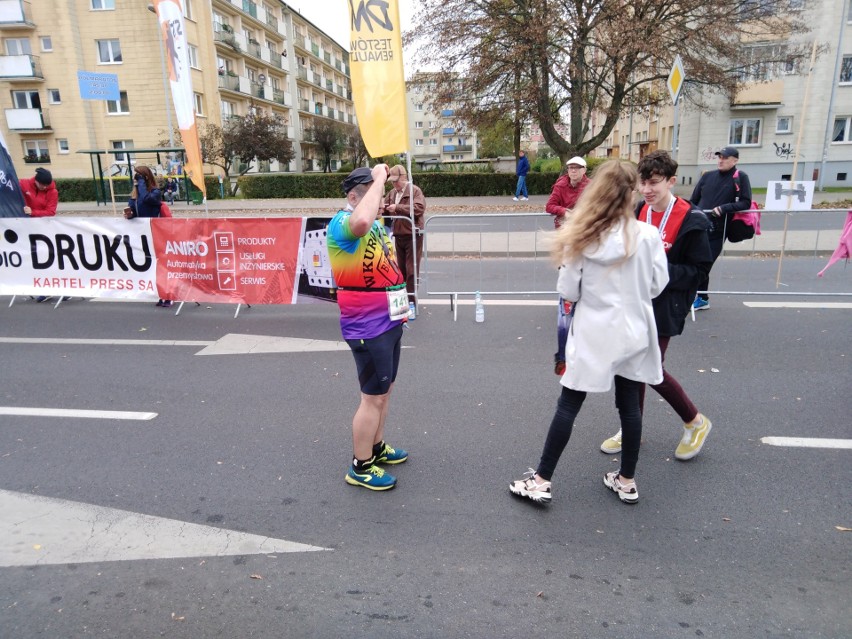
743 541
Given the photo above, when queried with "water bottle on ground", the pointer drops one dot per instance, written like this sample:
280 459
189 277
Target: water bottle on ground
480 309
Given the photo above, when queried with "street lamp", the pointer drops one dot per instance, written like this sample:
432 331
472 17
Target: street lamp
165 83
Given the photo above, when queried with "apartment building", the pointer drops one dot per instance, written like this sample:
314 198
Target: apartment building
435 135
777 116
243 55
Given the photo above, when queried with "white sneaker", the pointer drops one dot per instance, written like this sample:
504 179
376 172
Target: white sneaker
524 199
528 487
515 199
626 490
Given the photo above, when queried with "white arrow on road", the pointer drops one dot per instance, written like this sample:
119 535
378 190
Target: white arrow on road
39 530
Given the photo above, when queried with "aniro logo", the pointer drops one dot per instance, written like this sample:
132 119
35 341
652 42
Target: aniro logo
368 11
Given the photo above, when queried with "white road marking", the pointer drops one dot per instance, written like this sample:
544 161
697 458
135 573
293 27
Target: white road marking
444 300
43 530
822 305
71 412
235 344
807 442
103 342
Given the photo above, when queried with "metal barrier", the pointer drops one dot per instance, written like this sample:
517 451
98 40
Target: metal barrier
507 254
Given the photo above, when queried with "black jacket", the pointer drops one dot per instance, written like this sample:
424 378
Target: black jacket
689 258
716 188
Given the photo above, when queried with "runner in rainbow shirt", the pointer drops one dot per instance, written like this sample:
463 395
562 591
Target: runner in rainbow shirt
373 306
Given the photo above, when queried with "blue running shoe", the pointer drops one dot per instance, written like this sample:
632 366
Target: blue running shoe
374 478
700 304
391 455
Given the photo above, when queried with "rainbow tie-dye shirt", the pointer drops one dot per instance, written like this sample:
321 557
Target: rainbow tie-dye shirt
367 262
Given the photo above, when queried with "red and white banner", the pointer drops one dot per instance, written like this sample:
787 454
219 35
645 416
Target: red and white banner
224 260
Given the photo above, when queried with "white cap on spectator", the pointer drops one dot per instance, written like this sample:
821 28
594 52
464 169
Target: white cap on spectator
576 160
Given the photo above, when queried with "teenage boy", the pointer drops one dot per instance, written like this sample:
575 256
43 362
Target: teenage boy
683 230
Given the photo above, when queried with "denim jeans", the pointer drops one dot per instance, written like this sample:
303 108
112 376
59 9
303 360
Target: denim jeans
522 186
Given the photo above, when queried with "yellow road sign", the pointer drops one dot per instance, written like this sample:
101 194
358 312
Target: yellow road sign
676 78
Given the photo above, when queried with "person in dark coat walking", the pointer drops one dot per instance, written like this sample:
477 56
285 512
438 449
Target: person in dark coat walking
521 171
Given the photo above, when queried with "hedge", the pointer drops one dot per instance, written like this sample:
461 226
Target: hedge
85 189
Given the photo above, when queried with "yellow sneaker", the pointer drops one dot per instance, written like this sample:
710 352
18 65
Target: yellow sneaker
693 439
612 445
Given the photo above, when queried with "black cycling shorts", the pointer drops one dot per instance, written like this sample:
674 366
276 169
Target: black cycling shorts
377 360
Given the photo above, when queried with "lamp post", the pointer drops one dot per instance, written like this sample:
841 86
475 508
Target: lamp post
165 83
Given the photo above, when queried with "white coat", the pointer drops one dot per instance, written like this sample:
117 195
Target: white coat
613 331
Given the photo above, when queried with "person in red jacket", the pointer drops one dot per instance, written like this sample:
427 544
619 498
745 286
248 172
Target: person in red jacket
40 194
567 190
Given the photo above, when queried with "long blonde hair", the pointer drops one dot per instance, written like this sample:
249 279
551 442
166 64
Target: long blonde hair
603 204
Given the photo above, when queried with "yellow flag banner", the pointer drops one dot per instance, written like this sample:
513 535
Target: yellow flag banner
173 32
378 80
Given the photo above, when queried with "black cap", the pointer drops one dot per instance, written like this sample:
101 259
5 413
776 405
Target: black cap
361 175
43 176
728 152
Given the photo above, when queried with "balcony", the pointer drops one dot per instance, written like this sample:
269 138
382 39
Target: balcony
327 57
225 35
304 105
329 86
254 48
272 21
448 131
447 113
316 79
302 73
15 14
279 96
250 8
20 67
229 82
27 120
315 49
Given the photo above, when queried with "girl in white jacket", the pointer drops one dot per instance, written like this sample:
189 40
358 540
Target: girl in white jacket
612 267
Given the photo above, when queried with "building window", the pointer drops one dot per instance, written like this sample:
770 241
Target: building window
17 46
103 5
53 96
846 69
193 56
120 106
842 129
418 125
199 104
187 9
36 151
62 145
784 124
26 100
418 106
227 109
418 142
745 132
109 51
46 44
433 141
122 144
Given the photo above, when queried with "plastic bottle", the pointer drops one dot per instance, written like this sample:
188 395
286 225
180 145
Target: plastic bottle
480 309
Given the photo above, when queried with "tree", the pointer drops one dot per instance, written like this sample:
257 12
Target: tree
603 56
496 140
356 147
329 138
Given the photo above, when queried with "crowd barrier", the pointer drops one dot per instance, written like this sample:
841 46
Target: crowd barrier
507 254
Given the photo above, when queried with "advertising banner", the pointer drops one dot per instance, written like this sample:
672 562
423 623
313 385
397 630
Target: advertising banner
11 198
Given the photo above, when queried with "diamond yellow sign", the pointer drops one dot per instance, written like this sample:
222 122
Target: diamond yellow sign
676 77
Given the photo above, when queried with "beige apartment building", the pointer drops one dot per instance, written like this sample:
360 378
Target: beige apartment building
770 120
243 55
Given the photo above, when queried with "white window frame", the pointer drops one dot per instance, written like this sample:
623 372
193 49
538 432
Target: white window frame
747 123
846 70
46 44
26 99
122 144
62 146
418 125
50 96
192 50
418 106
433 141
198 102
418 142
40 147
113 58
119 105
847 129
187 10
17 46
778 121
105 5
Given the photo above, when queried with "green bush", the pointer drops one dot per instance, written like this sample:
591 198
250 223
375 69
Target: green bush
87 190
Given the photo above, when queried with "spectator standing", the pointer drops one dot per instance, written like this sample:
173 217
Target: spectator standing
398 203
145 201
717 195
567 190
521 170
373 306
40 194
683 230
612 267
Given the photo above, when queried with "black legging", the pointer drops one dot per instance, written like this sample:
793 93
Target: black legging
716 244
569 404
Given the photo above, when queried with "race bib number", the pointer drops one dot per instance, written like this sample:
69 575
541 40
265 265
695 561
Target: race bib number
398 304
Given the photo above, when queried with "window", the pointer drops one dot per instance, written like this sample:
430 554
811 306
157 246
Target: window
46 43
103 5
62 145
418 125
26 100
187 9
109 51
36 151
227 109
123 144
763 62
418 142
17 46
433 141
744 132
846 69
784 124
120 106
199 104
53 96
418 106
842 129
193 56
